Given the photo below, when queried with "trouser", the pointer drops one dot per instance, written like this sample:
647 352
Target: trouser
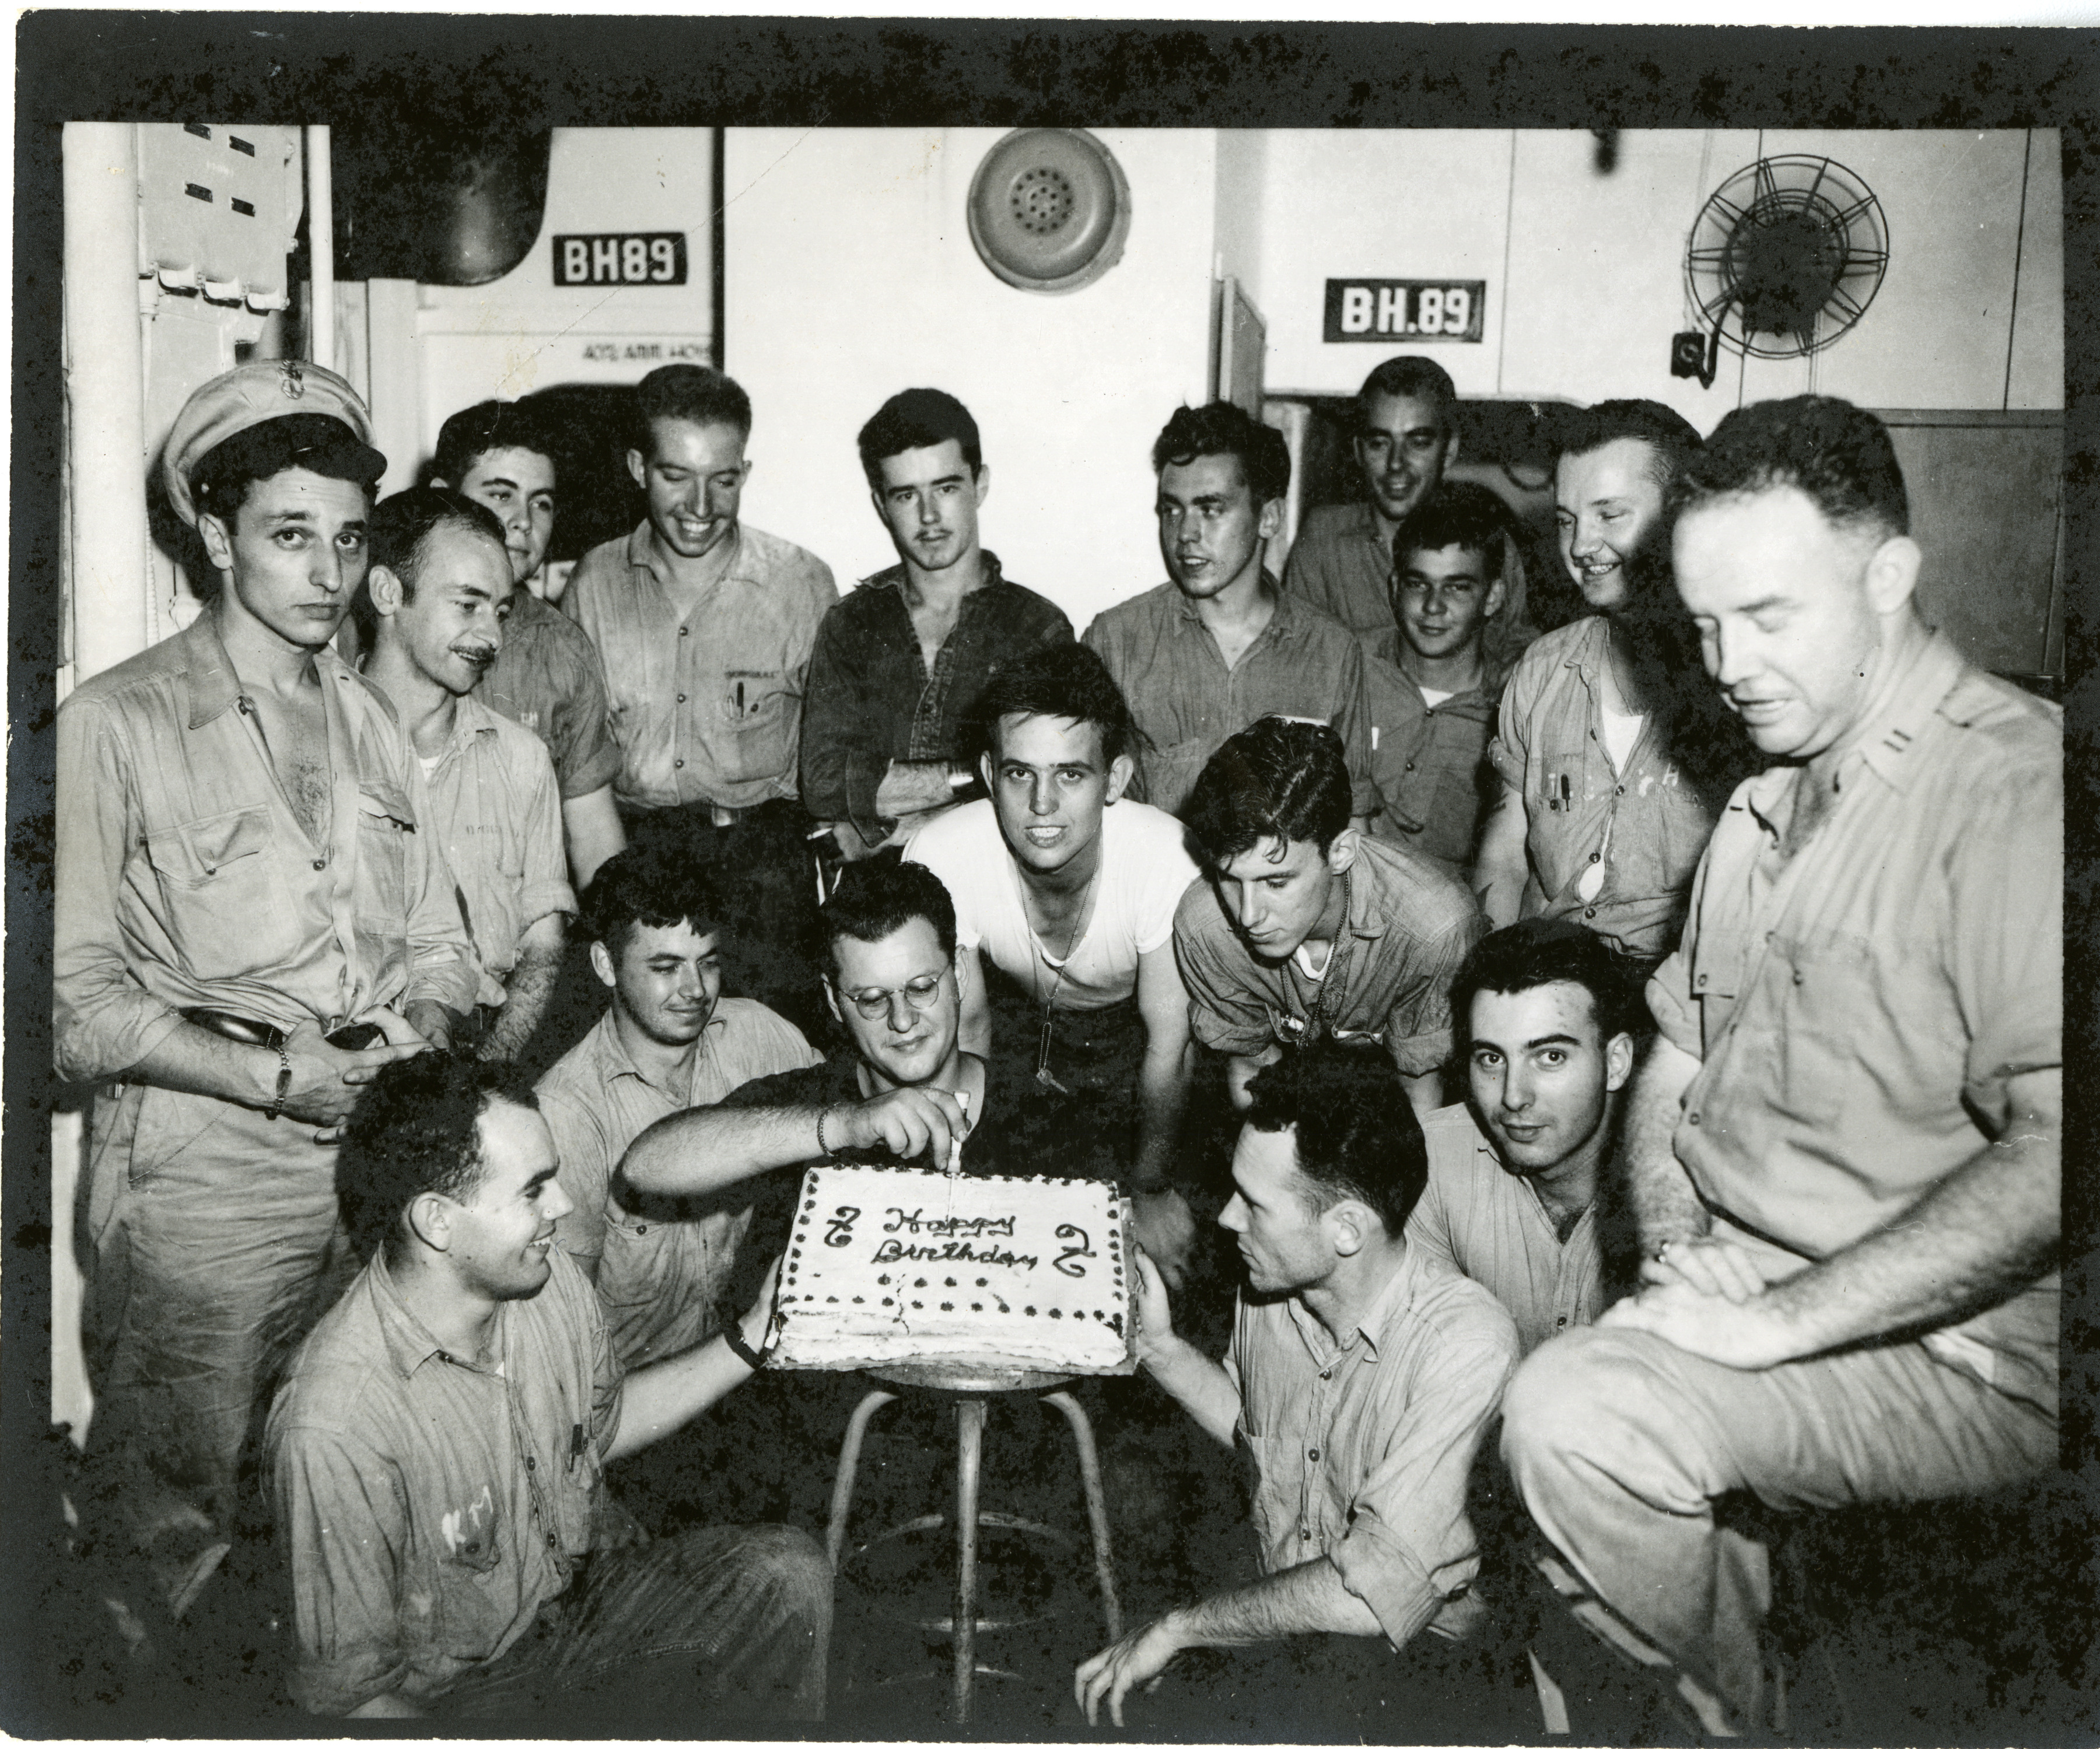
1095 1056
733 1619
1621 1444
215 1246
767 875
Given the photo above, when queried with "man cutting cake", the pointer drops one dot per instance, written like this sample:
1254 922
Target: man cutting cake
906 1091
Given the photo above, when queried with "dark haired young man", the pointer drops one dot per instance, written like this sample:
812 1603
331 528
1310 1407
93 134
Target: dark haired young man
899 663
438 596
1064 894
1432 706
1614 757
1307 929
1406 434
437 1459
705 626
547 676
669 1042
239 877
1842 1154
1548 1024
1221 644
1362 1377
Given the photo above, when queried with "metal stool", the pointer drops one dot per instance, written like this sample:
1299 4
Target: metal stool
970 1386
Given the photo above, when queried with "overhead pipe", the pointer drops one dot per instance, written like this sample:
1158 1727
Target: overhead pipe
105 402
320 246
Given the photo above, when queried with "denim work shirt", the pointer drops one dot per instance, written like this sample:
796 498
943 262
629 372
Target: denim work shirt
1188 704
708 708
185 880
873 700
1860 1008
1647 823
547 678
1428 763
1409 927
1362 1449
429 1503
1488 1224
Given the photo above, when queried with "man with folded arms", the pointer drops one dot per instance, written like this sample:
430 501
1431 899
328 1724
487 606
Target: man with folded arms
243 869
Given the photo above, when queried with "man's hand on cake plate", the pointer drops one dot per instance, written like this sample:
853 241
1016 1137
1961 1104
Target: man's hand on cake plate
1165 1232
757 1321
911 1122
1136 1660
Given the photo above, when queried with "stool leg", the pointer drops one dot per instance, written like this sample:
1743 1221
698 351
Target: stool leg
969 1450
1097 1510
842 1490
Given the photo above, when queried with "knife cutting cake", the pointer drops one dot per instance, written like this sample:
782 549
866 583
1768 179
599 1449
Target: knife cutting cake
887 1264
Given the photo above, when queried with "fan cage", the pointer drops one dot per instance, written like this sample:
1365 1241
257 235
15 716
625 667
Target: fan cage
1786 255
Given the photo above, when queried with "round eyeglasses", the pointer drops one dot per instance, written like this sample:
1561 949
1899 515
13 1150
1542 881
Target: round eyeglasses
920 995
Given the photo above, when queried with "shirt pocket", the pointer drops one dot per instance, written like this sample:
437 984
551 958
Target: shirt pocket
385 825
1558 852
223 905
1824 999
756 716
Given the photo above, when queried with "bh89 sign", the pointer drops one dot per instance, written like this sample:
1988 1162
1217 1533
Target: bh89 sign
1383 311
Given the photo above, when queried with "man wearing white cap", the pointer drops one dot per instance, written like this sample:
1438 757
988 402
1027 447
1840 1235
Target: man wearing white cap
242 900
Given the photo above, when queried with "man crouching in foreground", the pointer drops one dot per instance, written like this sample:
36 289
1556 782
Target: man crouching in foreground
1361 1376
437 1458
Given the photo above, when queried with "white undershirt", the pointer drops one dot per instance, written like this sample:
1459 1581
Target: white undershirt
1432 698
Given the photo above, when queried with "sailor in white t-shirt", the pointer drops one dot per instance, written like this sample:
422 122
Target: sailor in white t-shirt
1064 899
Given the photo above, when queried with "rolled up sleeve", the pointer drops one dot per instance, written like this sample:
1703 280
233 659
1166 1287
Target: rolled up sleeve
545 889
1222 1013
2008 974
1419 1034
344 1530
1409 1548
104 1019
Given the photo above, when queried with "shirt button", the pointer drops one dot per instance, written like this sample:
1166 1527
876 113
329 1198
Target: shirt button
1410 765
1702 980
1305 1536
1620 790
1590 912
553 1540
677 764
320 863
640 1231
531 1462
682 698
1329 1374
1558 1322
1596 856
1691 1118
1313 1457
682 630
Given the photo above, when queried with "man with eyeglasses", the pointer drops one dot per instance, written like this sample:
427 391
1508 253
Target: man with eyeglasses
906 1092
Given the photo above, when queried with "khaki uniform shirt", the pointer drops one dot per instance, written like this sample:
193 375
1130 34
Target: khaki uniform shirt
659 1263
428 1503
1188 702
494 807
1361 1451
1857 1008
547 678
708 708
1489 1223
185 880
1647 823
1409 928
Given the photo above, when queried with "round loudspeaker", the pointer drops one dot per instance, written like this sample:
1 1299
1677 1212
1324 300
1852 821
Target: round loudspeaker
1049 209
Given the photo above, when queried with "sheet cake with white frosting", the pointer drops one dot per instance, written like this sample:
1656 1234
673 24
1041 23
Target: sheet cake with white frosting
887 1264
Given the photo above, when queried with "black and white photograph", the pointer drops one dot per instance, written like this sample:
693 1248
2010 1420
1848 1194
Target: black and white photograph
999 879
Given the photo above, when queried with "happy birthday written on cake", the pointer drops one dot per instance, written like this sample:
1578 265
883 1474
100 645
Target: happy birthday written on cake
956 1239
